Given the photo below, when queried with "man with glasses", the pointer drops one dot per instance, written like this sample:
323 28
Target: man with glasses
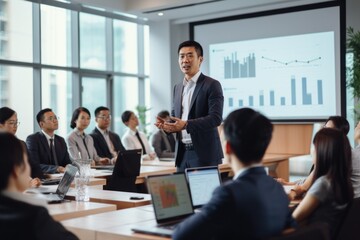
45 147
106 143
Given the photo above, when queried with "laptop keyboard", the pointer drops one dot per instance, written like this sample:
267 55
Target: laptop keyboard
170 226
53 197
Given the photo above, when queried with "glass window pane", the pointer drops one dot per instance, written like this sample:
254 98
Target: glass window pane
55 36
56 93
125 97
20 99
92 41
93 96
16 41
146 50
125 47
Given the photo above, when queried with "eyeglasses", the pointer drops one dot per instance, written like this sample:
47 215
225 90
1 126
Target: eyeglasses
53 118
14 123
105 117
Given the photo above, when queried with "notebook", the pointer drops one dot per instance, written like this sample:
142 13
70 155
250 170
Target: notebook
171 201
202 182
63 186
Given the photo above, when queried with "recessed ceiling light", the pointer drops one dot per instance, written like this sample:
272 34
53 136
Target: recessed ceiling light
160 14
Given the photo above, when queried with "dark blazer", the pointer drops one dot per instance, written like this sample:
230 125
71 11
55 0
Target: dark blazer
163 144
205 115
101 146
254 206
36 171
20 220
39 151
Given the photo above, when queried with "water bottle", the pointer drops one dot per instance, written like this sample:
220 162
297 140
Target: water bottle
82 180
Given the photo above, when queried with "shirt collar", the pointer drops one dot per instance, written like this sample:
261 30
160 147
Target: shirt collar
195 78
77 132
237 174
47 136
103 132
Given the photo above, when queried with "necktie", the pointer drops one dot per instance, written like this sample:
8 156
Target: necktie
141 142
53 159
87 150
171 139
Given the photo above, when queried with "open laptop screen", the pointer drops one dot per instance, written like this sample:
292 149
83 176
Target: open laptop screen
170 196
202 182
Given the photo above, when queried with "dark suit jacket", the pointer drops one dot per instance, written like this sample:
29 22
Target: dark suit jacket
101 146
36 171
205 115
254 206
20 220
39 151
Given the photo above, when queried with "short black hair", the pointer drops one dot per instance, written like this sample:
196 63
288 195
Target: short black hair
125 117
163 114
249 134
5 114
12 154
340 123
191 43
76 114
99 109
40 115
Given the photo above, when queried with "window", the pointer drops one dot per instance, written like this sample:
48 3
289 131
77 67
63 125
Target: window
92 42
55 36
56 93
19 30
125 47
125 97
17 84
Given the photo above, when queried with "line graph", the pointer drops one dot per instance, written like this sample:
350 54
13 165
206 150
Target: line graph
292 61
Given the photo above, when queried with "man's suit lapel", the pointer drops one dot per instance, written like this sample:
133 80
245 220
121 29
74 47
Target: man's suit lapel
198 86
103 141
178 100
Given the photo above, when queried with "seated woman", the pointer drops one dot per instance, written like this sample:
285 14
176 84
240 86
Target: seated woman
134 139
81 145
9 123
20 219
331 189
302 185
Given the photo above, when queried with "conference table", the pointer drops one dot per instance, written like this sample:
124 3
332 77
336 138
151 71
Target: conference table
278 165
113 225
73 209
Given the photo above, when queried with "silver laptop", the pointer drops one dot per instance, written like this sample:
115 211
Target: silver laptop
171 200
202 182
63 186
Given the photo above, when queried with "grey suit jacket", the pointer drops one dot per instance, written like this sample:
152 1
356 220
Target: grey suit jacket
205 115
39 151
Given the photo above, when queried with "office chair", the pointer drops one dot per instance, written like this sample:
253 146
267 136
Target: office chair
126 170
349 228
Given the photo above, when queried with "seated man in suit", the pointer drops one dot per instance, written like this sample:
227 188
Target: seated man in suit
163 143
253 205
45 147
106 143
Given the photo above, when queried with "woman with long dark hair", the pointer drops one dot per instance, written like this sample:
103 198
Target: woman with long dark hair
331 189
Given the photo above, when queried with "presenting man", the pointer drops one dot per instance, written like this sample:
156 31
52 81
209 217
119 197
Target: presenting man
197 112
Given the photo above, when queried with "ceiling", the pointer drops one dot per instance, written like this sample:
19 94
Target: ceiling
189 10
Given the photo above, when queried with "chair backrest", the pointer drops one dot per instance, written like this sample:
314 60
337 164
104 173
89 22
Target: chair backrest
316 231
126 169
349 228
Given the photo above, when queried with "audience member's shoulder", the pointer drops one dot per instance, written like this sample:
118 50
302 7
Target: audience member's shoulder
34 135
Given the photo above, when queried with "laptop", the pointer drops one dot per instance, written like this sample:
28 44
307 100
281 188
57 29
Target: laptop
128 162
63 186
200 177
171 201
